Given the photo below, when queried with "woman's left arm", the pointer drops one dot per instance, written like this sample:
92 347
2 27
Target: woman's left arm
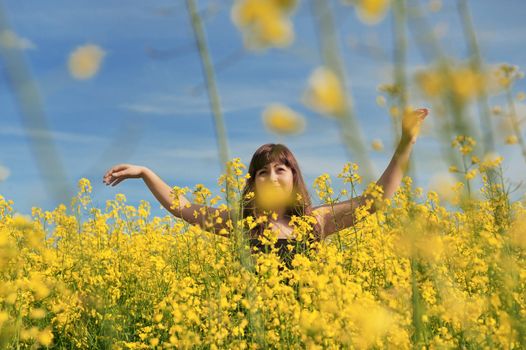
338 216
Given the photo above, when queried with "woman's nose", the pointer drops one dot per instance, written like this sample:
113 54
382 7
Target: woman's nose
273 176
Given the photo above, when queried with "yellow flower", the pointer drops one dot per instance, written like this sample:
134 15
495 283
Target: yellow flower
430 81
270 196
517 229
264 23
286 6
506 74
371 11
37 313
371 320
394 112
512 140
470 175
283 120
380 101
496 110
377 145
466 83
85 61
443 184
45 337
490 160
464 143
324 92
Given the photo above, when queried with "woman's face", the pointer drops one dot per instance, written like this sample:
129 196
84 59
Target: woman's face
274 184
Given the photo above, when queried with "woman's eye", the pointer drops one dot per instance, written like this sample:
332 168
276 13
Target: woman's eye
263 171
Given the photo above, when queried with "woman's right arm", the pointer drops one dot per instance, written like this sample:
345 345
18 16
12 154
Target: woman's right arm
183 208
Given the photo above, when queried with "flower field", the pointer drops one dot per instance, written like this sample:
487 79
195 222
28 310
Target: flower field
413 274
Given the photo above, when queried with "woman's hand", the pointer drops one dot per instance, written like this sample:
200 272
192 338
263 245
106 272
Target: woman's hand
122 171
411 124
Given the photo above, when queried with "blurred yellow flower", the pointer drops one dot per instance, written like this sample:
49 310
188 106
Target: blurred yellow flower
372 322
517 229
377 145
85 61
466 83
37 313
443 184
370 11
460 79
380 101
264 23
45 337
512 140
324 92
283 120
270 196
430 81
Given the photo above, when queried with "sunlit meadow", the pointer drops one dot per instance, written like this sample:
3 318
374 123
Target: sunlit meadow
429 269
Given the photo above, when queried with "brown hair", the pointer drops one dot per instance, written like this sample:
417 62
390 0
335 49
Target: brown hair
266 154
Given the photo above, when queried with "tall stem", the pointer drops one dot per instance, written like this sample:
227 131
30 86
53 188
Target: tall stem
350 131
476 64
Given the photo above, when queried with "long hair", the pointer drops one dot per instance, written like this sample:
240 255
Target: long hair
266 154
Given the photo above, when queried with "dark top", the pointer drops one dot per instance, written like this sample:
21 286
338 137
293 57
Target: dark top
283 252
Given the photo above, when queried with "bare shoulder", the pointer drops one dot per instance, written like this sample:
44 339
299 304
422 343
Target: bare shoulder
321 211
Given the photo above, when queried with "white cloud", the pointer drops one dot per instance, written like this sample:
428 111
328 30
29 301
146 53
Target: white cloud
11 40
233 97
502 37
53 135
188 153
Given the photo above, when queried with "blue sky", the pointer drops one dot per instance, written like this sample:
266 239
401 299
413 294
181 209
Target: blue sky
172 130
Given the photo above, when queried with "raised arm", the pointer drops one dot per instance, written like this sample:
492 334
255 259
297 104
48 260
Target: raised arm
184 209
338 216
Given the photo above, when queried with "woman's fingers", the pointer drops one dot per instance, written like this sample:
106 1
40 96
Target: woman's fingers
111 177
411 123
120 172
118 181
114 171
422 112
115 180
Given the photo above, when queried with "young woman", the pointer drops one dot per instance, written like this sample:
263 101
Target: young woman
278 187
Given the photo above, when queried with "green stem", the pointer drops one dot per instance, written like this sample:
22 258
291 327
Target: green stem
350 132
476 65
213 94
515 123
